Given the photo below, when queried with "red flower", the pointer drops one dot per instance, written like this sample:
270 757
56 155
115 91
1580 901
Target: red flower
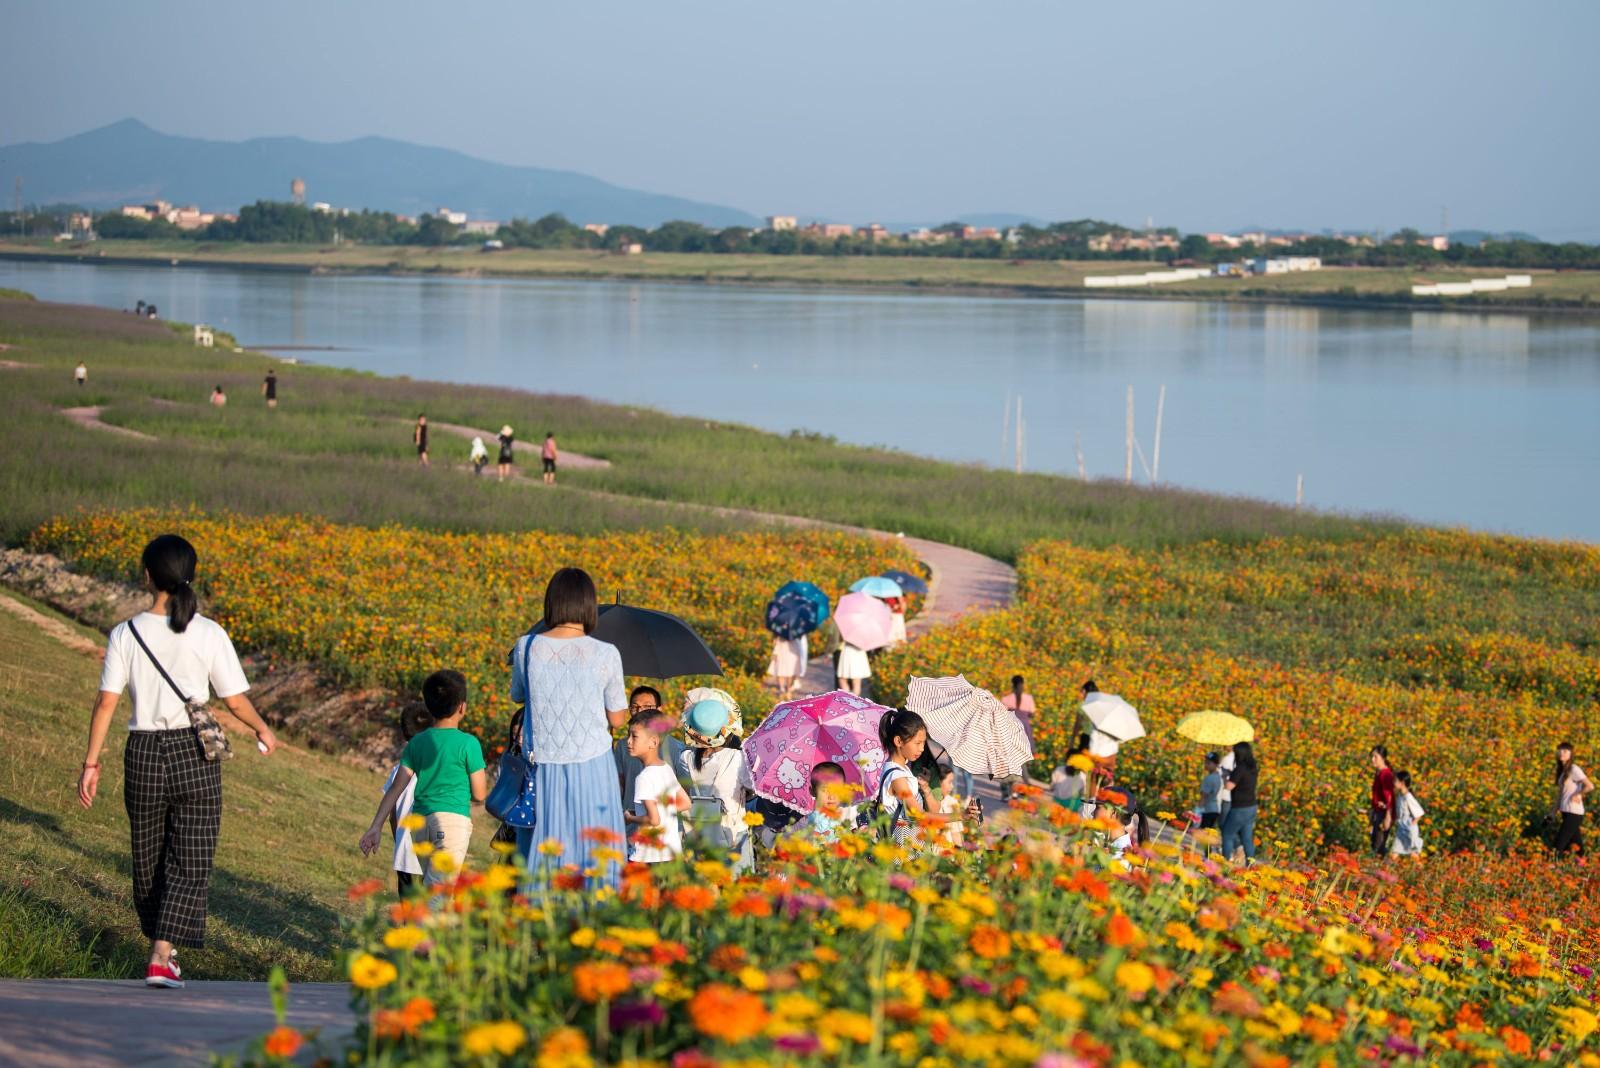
365 888
283 1042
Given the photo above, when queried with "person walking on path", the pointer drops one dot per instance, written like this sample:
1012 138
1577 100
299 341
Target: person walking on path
571 684
1239 827
419 438
80 374
1020 702
479 456
269 389
164 657
219 399
1380 814
508 441
853 669
788 663
1571 787
549 454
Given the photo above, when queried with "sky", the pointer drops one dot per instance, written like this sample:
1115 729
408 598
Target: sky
1344 114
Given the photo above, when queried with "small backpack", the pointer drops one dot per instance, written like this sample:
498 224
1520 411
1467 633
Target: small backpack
874 811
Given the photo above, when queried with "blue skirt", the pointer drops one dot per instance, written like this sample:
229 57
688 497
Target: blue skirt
567 800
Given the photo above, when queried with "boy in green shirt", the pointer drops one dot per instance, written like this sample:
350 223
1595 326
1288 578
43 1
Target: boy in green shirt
448 765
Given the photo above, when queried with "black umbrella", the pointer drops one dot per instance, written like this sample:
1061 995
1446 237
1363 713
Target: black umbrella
790 615
907 581
657 645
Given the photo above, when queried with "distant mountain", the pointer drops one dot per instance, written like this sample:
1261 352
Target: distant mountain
128 162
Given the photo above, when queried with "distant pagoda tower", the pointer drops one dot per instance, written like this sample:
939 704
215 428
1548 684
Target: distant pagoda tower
297 189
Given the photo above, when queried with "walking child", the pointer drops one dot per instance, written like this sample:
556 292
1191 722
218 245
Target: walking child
447 765
407 867
1407 813
1211 792
718 777
657 796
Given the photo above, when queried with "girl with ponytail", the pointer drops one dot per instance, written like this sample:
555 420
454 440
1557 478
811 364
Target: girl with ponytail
165 657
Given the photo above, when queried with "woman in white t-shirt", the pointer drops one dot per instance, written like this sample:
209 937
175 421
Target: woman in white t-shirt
173 794
1571 787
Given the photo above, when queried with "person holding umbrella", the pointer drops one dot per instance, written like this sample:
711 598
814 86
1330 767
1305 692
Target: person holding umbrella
790 617
572 686
864 623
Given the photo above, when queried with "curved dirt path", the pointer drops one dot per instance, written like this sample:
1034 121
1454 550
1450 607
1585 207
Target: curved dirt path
90 417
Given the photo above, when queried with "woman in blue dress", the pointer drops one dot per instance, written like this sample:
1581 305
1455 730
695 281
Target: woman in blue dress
572 687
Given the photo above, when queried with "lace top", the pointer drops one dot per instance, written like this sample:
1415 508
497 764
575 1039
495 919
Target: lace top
568 685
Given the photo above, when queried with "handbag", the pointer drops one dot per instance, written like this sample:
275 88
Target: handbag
511 799
213 739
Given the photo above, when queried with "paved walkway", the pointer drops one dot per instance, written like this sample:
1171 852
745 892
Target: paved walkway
90 1023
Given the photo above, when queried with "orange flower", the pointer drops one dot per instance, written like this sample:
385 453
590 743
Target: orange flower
1122 933
692 898
752 905
727 1013
1234 1000
365 888
600 980
727 958
1469 1018
1516 1041
1084 881
600 835
989 942
283 1042
404 912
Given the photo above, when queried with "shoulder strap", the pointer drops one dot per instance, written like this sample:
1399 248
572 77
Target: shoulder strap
140 639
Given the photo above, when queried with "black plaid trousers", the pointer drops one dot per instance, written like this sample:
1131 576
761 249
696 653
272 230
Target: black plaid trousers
174 801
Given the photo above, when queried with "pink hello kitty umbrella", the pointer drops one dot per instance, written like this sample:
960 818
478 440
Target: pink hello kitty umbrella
799 735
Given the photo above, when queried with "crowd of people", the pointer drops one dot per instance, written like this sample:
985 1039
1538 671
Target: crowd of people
585 792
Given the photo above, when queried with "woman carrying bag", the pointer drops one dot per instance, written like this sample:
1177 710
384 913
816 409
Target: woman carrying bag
168 659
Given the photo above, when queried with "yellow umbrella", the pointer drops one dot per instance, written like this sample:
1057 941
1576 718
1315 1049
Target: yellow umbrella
1216 728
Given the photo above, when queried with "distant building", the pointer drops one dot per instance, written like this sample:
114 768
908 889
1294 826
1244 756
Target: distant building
1265 265
190 218
1438 242
598 229
983 233
925 235
322 207
828 230
1253 237
1222 240
630 248
458 218
779 223
135 211
874 232
481 226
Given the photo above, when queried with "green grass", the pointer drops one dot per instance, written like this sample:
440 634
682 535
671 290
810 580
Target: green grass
1361 285
14 294
339 445
285 858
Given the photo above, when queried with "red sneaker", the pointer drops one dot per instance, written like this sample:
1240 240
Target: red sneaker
166 975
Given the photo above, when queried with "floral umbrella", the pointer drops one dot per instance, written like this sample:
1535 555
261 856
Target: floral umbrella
801 734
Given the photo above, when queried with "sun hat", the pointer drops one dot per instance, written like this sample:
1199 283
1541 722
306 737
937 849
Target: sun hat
505 431
708 723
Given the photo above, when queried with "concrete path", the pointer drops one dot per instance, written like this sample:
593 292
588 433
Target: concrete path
90 1023
90 417
572 460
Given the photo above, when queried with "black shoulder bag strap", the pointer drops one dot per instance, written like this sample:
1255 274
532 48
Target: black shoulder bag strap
140 639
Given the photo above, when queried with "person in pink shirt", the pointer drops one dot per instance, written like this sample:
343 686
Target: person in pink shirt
1020 702
549 455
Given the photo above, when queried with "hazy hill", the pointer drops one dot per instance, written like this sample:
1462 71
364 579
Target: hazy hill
128 162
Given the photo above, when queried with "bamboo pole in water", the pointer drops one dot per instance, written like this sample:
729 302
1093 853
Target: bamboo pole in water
1077 440
1127 463
1155 459
1019 433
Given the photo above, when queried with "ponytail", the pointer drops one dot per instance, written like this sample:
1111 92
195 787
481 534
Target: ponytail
169 560
898 723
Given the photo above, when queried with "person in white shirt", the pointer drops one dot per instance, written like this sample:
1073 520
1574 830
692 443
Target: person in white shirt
408 869
657 795
1407 813
168 657
719 781
1572 785
80 374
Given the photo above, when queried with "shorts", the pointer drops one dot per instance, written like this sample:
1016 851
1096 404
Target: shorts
505 456
448 832
422 449
549 467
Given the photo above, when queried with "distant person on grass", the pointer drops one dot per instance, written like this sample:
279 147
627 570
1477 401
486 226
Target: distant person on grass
269 389
419 438
80 374
446 765
549 454
172 793
508 442
1572 785
219 399
479 456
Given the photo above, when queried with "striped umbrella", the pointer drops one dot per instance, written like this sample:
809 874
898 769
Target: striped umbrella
981 735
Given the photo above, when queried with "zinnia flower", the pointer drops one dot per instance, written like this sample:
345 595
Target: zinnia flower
370 973
504 1037
728 1013
283 1042
635 1015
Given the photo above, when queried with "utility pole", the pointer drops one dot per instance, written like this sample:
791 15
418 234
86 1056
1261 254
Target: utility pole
1155 459
1005 427
1077 440
1019 433
1299 490
1127 464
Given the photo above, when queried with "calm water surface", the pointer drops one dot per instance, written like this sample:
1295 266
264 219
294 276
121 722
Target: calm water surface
1488 421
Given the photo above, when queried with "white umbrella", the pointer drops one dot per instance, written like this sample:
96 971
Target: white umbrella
1112 716
981 735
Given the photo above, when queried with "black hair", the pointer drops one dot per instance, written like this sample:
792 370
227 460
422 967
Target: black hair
1213 758
732 742
444 692
1383 751
826 765
1082 746
1016 682
170 560
570 598
1403 776
1089 687
898 723
414 719
219 387
651 690
1563 770
1243 755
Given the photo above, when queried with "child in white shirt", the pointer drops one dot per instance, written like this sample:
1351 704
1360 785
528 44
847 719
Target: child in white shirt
407 868
657 795
1407 813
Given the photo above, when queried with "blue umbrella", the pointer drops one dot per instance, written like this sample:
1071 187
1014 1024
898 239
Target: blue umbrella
907 581
811 592
791 616
877 586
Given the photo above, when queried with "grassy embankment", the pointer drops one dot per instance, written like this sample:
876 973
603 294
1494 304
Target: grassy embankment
286 855
339 446
1333 285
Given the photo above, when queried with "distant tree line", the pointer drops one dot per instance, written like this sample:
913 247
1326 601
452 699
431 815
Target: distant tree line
279 222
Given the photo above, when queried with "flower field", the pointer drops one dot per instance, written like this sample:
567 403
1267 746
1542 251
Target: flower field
1469 656
1031 948
386 606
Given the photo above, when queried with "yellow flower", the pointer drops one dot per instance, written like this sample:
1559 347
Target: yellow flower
795 1007
412 822
1080 762
1135 977
583 937
404 938
423 850
503 848
551 847
638 937
504 1038
444 863
754 819
500 878
752 978
842 1023
565 1047
1578 1022
370 973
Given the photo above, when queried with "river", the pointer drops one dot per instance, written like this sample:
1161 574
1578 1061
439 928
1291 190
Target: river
1489 421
